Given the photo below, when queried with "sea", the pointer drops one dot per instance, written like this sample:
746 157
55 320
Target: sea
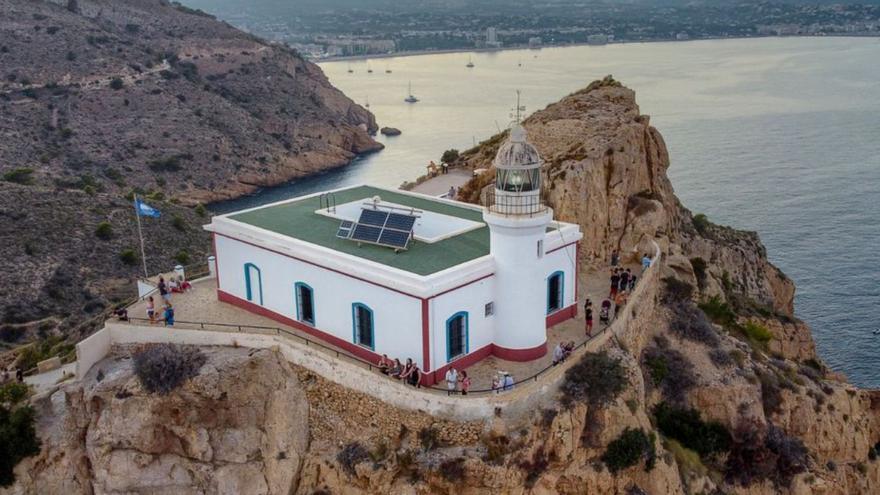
776 135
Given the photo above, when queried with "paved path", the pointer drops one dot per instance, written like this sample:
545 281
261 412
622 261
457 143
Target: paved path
44 381
440 184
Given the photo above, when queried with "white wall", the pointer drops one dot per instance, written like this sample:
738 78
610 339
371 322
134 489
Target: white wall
397 318
471 298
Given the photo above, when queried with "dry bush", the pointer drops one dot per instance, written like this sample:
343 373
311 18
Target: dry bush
351 455
162 368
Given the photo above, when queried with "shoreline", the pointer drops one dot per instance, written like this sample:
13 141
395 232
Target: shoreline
416 53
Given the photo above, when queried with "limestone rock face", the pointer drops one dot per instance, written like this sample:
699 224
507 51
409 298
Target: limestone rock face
240 426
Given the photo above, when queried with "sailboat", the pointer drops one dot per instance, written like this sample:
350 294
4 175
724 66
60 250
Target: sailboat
410 98
470 64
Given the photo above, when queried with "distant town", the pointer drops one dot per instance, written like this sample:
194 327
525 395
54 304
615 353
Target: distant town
351 32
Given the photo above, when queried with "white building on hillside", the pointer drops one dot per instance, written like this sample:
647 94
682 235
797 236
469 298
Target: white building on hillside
378 271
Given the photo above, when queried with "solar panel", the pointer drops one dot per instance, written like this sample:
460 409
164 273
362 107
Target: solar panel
400 222
366 233
394 238
373 217
345 229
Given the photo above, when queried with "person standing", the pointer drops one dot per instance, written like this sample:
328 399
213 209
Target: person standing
615 258
624 281
632 282
646 262
615 283
451 381
163 290
151 309
588 320
465 381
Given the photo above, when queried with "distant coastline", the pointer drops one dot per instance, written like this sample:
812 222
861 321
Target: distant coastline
415 53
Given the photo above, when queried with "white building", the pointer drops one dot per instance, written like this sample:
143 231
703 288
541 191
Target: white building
378 271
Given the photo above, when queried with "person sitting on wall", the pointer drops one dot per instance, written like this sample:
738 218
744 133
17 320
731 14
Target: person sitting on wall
415 376
174 286
184 284
567 349
396 369
558 354
605 311
451 381
508 381
407 370
384 364
496 382
121 314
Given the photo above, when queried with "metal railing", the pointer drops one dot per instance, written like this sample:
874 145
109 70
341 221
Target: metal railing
506 204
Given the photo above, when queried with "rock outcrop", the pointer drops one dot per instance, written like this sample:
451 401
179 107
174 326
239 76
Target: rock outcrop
240 426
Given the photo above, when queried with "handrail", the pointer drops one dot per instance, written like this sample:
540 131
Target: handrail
370 365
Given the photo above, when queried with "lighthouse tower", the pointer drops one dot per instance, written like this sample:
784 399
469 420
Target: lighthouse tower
518 221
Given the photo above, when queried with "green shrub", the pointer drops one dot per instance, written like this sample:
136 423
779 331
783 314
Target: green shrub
201 210
116 83
689 462
12 393
702 223
628 449
21 175
718 311
104 230
691 323
128 256
178 223
670 370
676 290
43 349
757 333
449 156
699 265
685 426
182 257
162 368
168 164
596 379
18 440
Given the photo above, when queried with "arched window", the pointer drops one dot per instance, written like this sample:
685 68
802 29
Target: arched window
456 335
253 282
555 291
362 325
305 303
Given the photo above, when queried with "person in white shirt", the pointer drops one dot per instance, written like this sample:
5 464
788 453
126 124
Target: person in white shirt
508 381
558 354
451 381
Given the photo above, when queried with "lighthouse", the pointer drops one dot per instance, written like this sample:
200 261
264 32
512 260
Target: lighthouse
518 222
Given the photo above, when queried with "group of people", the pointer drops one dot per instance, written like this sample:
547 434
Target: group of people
409 373
457 381
502 381
177 285
623 282
6 377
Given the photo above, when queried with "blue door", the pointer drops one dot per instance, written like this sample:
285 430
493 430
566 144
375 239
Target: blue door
555 291
253 283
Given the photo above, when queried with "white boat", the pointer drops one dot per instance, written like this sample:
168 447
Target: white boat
470 64
410 98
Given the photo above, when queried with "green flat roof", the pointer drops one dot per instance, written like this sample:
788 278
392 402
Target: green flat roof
297 219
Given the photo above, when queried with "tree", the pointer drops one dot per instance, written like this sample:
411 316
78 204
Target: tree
116 83
18 437
449 156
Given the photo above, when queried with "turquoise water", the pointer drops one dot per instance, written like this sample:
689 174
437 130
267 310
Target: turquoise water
781 136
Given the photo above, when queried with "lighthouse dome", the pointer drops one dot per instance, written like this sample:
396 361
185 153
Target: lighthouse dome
517 152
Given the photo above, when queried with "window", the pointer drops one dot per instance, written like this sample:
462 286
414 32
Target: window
490 309
305 303
253 282
456 336
362 323
555 291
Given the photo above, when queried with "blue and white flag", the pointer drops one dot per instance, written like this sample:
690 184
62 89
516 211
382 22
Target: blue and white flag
145 210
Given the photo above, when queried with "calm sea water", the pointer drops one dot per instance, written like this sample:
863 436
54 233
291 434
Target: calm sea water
781 136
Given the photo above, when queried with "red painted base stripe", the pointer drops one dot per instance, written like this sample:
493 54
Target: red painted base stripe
519 354
562 315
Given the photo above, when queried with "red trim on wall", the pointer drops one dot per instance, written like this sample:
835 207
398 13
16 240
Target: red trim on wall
563 314
426 336
519 354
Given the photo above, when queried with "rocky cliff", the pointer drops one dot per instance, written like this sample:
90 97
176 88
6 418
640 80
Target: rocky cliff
715 387
101 99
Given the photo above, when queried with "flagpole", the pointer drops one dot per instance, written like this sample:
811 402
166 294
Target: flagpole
137 215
